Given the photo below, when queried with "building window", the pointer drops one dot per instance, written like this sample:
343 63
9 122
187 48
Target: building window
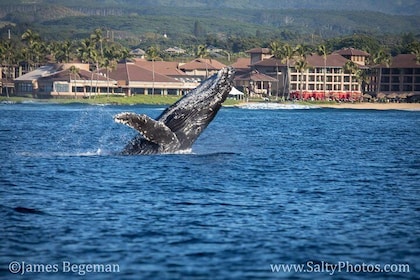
137 90
395 79
60 87
386 71
395 87
408 79
395 71
407 71
25 87
407 88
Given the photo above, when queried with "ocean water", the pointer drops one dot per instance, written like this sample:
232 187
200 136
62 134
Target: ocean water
262 194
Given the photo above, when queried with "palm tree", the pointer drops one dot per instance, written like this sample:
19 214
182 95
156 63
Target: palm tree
74 71
275 50
6 52
98 39
351 68
88 54
287 53
202 52
65 50
322 50
301 66
363 77
153 54
34 47
381 58
416 52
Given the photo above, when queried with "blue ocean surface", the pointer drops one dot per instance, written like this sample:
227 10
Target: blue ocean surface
264 194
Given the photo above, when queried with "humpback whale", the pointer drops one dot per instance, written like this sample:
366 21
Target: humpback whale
179 125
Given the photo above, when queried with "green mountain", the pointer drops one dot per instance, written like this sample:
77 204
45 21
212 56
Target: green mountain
407 7
135 22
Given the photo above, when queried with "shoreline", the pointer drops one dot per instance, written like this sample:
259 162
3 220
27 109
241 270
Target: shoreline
348 106
168 100
373 106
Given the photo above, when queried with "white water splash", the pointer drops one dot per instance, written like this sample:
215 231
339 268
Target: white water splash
98 152
275 106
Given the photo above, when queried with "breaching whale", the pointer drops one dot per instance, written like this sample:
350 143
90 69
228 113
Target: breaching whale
179 125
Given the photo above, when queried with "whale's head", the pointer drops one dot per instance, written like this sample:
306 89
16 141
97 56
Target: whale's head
213 91
188 117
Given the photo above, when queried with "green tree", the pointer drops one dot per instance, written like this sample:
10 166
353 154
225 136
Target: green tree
351 68
202 52
74 73
88 54
62 51
276 52
288 53
34 50
322 51
153 54
6 62
301 66
381 58
415 49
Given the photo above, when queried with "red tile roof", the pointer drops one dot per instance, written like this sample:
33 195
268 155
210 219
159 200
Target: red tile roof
202 64
404 61
65 75
255 76
333 60
168 68
242 63
270 62
132 72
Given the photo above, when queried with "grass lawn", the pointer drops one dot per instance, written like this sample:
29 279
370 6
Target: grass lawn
117 100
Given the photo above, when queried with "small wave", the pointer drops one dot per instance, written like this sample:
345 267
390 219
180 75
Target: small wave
275 106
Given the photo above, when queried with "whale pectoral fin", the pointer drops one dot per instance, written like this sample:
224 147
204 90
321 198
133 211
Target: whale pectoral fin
152 130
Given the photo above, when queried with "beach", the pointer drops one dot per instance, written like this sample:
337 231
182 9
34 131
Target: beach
374 106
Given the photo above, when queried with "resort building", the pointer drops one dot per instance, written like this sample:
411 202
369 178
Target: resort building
322 79
134 79
201 67
355 55
258 54
259 76
398 80
128 78
63 80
